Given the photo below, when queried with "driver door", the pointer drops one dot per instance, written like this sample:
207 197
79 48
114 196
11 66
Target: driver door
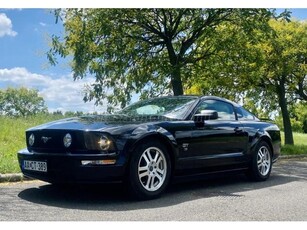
215 143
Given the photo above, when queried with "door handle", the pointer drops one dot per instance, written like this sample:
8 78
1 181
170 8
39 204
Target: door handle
238 130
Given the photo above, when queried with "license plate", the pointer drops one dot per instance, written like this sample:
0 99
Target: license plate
39 166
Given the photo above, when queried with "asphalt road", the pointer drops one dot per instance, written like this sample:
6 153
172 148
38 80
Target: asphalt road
233 198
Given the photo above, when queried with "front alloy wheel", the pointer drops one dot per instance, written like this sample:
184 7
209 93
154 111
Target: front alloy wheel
149 170
152 169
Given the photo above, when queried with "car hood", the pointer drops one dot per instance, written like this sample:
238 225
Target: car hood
100 122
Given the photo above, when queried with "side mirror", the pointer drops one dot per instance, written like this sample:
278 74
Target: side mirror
205 115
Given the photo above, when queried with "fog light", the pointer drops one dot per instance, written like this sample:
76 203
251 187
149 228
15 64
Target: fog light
99 162
31 139
67 140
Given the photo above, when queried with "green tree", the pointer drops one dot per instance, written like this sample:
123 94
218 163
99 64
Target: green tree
298 117
146 51
21 102
73 114
284 69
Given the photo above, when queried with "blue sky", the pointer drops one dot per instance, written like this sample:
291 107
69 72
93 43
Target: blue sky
24 40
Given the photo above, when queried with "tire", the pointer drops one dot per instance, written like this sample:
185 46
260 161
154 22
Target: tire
261 164
149 171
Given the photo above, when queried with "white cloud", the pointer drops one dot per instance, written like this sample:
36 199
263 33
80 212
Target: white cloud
61 93
6 26
22 77
43 24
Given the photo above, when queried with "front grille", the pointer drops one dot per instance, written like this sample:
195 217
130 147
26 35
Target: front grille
52 141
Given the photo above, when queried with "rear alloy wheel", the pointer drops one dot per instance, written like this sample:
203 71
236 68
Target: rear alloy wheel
261 162
264 161
149 171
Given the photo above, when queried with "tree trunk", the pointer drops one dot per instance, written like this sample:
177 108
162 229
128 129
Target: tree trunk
176 73
176 82
285 115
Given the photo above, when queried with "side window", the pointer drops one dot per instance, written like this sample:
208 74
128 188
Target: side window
224 110
244 115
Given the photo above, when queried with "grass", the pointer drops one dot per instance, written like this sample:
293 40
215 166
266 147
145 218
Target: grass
12 139
299 147
299 138
293 149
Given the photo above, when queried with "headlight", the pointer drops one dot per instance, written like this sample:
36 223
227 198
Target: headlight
31 139
67 140
98 141
104 143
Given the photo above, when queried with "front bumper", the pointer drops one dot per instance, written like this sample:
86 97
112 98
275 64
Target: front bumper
68 168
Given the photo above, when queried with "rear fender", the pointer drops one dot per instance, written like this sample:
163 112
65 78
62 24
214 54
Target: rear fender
261 136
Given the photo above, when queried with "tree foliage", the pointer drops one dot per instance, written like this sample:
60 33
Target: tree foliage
298 117
284 67
145 51
227 52
270 69
21 102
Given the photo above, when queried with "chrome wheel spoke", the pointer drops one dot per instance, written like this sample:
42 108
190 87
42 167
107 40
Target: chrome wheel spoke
143 168
266 164
148 182
141 175
159 161
159 177
156 157
263 170
152 185
160 171
147 156
259 167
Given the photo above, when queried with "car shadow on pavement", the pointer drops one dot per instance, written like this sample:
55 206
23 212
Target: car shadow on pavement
112 197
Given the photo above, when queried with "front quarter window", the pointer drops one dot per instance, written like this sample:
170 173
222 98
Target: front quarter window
244 115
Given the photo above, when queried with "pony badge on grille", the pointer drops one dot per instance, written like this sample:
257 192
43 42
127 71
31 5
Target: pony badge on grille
45 139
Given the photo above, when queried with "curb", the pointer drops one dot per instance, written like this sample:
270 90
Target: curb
11 177
293 156
14 177
18 177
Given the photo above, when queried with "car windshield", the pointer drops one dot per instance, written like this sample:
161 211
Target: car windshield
170 107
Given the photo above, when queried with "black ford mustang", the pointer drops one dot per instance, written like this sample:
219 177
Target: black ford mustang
151 142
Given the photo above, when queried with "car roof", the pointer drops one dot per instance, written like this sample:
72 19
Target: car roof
202 97
220 99
205 97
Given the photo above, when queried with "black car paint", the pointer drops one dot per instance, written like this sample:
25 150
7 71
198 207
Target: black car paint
214 146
